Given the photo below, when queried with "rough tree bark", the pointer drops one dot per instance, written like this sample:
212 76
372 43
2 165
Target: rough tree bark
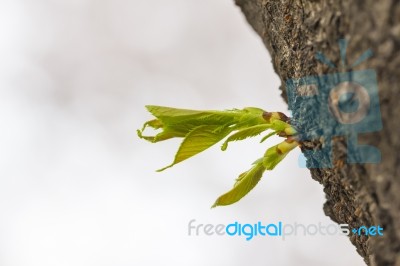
293 31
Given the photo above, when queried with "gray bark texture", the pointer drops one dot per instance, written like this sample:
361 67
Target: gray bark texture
293 31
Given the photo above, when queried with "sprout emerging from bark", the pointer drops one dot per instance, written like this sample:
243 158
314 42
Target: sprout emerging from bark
203 129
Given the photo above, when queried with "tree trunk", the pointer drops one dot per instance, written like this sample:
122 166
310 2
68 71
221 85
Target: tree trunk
293 31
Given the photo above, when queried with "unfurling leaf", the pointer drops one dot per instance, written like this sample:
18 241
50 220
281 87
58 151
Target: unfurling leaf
245 133
277 153
198 140
268 136
177 123
185 120
244 184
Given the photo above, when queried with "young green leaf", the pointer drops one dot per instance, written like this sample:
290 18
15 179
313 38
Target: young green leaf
177 123
167 133
187 120
244 184
268 136
198 140
245 133
274 155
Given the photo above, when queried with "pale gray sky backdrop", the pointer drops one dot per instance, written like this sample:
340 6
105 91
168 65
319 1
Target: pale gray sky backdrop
77 187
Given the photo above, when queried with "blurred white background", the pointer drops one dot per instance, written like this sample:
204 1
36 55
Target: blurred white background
77 187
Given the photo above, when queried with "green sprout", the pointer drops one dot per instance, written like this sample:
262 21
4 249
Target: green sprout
202 129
